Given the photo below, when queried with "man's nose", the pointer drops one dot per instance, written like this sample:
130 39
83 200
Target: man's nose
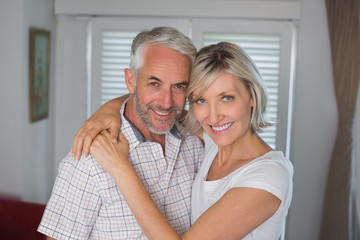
166 98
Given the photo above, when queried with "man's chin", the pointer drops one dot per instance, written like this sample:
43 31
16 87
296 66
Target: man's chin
161 130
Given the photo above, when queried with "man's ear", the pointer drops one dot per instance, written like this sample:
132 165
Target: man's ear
129 80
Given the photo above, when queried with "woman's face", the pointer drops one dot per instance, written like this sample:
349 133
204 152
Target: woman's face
224 110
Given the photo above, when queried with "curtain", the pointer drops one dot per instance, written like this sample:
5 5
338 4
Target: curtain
340 214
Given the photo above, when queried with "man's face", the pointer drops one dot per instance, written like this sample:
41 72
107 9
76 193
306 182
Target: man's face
159 93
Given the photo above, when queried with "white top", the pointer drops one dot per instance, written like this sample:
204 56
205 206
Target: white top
271 172
86 203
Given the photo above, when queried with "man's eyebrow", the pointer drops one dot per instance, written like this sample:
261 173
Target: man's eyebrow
182 83
154 78
186 83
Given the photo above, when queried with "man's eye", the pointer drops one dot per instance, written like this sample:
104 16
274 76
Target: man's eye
154 84
180 88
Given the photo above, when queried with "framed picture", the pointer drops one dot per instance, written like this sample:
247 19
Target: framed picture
39 73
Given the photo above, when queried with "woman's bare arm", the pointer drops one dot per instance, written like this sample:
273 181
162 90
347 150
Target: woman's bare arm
106 117
234 216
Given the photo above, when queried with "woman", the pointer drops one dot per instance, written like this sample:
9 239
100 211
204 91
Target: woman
243 189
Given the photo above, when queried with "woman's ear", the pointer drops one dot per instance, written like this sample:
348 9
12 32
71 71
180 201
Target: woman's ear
252 103
129 80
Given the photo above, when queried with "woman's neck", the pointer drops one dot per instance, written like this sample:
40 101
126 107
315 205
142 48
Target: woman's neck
231 157
244 149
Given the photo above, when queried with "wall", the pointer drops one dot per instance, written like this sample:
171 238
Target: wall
11 80
38 155
71 82
315 122
26 165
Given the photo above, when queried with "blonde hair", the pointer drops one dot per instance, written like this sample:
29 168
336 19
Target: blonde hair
209 64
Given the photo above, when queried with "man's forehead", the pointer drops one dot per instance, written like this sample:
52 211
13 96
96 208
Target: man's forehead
164 51
166 59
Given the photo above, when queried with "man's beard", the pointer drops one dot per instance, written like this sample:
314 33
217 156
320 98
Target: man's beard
144 115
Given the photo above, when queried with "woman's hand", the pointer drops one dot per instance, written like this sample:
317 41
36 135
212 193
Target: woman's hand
106 117
111 156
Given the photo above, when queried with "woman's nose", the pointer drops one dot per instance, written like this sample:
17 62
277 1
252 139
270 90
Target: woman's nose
214 114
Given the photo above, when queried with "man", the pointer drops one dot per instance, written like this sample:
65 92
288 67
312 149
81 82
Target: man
85 202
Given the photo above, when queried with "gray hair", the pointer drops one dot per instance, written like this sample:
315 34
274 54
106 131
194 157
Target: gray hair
167 36
214 60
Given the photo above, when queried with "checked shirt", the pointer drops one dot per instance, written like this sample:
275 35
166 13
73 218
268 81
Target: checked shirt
86 204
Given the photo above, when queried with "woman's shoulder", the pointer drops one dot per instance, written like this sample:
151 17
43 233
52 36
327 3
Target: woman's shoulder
274 159
271 172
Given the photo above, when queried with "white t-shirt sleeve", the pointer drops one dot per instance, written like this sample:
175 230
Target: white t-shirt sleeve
270 175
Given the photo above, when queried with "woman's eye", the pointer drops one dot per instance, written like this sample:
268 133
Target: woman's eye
228 98
199 101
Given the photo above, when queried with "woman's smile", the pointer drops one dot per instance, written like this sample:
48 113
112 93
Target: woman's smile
221 128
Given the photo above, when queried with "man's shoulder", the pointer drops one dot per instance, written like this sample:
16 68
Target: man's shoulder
84 173
75 201
86 164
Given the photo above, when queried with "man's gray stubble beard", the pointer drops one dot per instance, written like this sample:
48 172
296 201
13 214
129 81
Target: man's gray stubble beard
144 116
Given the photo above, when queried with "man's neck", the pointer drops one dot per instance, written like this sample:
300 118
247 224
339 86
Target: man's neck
133 116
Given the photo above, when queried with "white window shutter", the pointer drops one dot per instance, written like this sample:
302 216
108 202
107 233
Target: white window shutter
116 46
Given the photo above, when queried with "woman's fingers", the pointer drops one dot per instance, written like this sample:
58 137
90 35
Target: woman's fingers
122 138
84 138
114 131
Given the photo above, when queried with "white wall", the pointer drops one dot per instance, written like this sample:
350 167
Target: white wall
11 95
26 164
71 83
315 122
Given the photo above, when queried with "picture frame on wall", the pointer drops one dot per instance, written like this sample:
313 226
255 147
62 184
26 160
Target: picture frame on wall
39 74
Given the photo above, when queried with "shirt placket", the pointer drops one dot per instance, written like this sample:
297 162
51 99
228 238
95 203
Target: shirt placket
165 165
160 164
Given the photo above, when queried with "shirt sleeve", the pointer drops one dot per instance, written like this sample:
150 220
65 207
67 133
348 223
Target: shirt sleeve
74 203
270 175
